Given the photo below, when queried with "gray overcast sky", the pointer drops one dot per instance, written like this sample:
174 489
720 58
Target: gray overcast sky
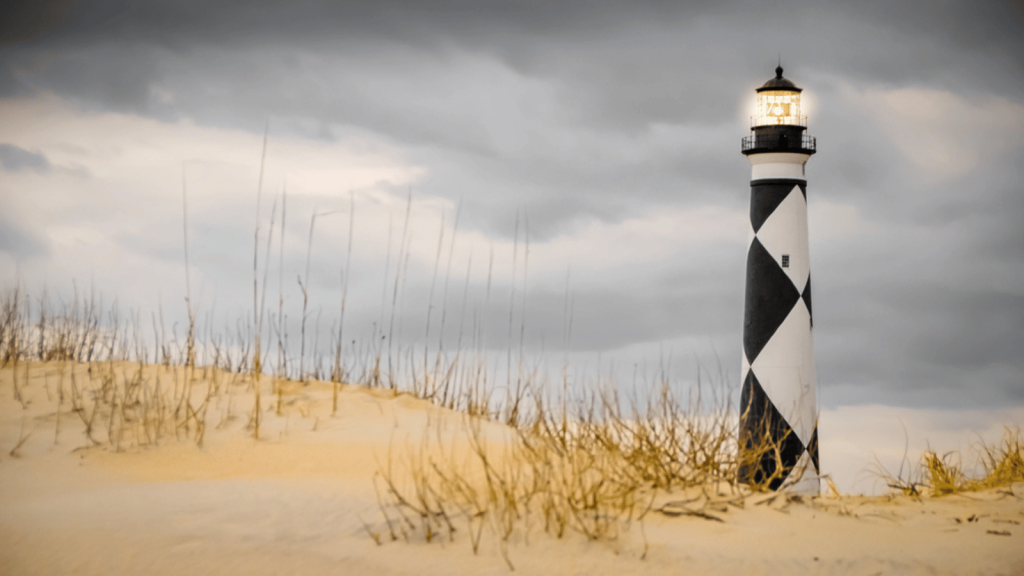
609 131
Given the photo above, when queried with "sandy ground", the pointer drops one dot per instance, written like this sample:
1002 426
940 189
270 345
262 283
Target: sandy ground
297 500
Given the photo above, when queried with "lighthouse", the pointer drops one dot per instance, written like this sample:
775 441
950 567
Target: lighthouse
778 433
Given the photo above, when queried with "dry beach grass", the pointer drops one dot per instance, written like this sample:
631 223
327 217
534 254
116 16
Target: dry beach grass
127 450
115 465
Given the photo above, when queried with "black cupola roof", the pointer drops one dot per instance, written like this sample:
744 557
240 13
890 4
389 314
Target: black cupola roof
779 83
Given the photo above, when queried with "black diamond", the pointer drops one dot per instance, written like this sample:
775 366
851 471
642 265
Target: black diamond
807 299
812 447
765 198
766 438
770 298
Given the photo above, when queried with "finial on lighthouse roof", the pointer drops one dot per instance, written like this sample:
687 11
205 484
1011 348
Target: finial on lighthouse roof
779 83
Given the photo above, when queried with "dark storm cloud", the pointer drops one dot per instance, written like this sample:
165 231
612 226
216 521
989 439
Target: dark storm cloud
924 312
26 20
606 73
15 159
623 48
914 326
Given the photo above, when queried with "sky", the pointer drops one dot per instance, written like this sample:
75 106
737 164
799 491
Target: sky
562 178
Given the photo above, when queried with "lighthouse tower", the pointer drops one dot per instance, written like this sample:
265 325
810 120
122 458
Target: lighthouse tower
778 436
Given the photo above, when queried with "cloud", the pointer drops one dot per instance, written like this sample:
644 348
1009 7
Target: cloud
25 20
20 242
17 159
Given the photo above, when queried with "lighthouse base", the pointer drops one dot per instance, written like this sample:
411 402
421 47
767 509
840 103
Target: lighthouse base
803 479
806 486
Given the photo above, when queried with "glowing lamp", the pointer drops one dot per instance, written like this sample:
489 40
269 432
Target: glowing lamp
778 103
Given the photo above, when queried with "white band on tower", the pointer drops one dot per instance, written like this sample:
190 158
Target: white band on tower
778 165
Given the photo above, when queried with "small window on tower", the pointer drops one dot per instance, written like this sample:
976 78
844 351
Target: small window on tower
785 260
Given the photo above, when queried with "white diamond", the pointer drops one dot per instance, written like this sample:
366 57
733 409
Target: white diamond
785 233
785 369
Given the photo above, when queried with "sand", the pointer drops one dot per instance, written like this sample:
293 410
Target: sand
301 500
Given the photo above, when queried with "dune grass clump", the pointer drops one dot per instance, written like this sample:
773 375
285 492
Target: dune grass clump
99 365
592 471
998 465
1001 464
1004 464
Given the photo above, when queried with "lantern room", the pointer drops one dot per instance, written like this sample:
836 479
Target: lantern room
777 124
778 103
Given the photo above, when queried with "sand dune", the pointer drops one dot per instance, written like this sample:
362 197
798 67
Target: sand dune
301 499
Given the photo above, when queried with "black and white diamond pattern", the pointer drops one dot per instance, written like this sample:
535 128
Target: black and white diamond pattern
778 394
761 417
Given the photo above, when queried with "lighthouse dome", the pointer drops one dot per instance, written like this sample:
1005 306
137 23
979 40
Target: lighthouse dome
779 83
